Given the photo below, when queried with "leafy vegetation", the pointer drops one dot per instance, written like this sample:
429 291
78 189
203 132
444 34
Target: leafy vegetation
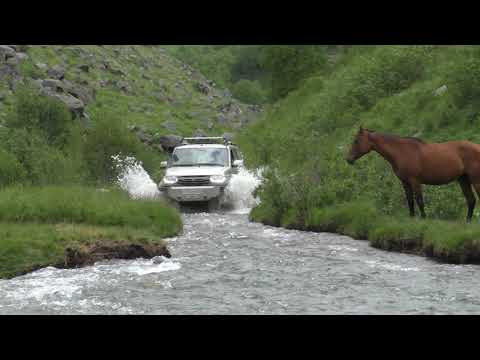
302 140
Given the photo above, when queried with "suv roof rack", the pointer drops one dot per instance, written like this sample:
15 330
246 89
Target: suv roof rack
206 140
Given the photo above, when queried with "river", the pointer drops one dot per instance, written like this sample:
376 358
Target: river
224 264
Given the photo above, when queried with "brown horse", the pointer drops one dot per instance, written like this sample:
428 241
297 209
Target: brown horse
416 162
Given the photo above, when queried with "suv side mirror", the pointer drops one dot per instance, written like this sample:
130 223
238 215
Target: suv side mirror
163 164
237 163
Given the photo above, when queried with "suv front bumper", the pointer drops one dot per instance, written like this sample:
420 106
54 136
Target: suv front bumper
192 193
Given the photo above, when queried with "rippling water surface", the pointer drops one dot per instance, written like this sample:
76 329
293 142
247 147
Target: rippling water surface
223 264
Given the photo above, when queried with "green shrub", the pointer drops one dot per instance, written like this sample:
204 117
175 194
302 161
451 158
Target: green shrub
11 170
40 113
107 138
250 92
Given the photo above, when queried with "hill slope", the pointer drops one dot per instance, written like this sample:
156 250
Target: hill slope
142 84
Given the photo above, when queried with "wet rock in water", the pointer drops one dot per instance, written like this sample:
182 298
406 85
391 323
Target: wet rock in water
158 259
56 72
6 52
169 142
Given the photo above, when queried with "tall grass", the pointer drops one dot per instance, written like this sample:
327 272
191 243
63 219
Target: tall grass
79 205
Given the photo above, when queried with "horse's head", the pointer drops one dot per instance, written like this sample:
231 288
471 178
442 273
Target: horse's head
361 146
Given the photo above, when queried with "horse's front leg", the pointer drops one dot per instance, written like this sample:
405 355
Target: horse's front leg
417 190
409 195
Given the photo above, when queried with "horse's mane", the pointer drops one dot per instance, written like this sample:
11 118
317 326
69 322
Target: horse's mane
397 137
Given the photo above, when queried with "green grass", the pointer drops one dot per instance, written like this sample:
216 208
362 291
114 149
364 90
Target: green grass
447 241
28 246
37 224
79 205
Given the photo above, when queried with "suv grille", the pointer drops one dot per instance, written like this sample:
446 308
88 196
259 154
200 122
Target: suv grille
194 180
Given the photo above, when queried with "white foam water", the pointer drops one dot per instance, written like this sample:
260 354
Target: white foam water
134 179
239 192
138 184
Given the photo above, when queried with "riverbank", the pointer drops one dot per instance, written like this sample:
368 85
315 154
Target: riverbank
445 241
70 227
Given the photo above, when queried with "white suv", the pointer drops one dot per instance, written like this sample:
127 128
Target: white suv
199 170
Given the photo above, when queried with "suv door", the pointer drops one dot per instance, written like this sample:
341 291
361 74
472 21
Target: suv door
233 157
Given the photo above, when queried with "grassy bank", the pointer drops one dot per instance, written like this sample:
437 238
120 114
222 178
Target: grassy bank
446 241
40 226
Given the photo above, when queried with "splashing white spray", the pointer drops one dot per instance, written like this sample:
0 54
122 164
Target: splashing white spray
134 179
239 192
137 183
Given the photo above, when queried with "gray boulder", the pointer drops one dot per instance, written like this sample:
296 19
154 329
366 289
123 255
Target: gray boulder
199 133
84 67
203 88
41 66
6 52
228 136
222 119
169 142
56 72
124 86
170 126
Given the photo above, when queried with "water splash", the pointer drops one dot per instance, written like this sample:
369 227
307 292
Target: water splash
138 184
239 192
134 179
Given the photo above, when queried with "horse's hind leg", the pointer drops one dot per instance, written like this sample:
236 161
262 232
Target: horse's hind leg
409 195
466 186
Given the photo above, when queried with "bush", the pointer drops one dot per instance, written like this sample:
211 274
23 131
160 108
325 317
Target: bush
11 170
250 92
41 114
107 138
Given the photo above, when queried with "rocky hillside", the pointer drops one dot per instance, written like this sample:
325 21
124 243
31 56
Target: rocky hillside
155 93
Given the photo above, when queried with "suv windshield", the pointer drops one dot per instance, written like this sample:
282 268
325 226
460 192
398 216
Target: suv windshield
200 156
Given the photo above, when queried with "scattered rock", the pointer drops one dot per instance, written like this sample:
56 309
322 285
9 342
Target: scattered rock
144 137
254 108
56 72
441 90
41 66
6 52
228 136
84 67
170 126
199 133
203 88
169 142
222 119
227 93
124 86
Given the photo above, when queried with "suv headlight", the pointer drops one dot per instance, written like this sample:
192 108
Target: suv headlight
218 179
170 180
